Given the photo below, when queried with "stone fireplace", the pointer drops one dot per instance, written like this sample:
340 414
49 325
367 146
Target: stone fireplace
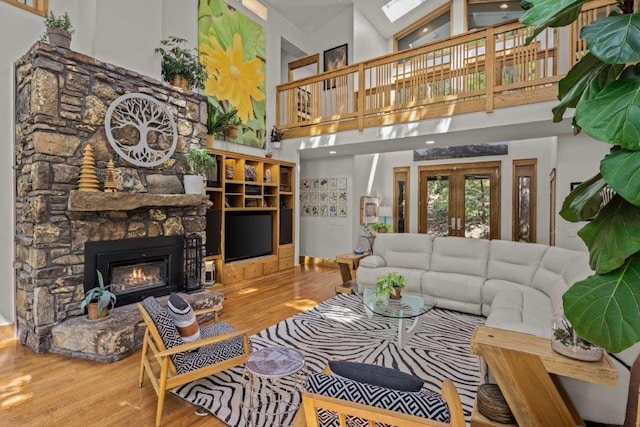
61 99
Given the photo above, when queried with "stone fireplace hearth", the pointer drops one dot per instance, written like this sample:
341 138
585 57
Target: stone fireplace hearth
60 101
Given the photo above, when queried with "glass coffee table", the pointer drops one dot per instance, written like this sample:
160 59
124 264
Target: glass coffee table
408 310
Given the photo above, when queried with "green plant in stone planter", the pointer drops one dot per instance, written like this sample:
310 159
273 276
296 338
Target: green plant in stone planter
180 63
604 89
390 285
98 299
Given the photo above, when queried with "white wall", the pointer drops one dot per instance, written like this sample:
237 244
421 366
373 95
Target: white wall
367 41
325 237
19 30
333 33
578 160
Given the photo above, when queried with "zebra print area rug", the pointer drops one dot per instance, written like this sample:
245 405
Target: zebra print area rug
339 329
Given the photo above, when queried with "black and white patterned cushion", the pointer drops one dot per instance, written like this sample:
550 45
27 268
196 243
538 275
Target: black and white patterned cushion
425 404
210 354
165 325
204 356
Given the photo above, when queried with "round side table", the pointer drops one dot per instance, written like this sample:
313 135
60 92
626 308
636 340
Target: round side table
273 380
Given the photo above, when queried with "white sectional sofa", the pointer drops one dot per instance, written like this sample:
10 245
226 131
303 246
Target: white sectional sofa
516 286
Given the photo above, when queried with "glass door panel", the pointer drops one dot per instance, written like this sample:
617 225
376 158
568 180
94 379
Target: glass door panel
438 205
401 199
477 202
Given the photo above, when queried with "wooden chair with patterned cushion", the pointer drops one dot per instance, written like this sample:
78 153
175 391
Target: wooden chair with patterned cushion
169 361
333 400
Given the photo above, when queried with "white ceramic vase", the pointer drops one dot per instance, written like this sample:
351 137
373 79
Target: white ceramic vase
193 184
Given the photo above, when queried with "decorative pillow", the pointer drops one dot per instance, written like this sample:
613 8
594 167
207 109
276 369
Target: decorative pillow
376 375
184 318
425 404
372 261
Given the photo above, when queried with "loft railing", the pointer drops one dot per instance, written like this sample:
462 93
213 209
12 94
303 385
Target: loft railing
478 71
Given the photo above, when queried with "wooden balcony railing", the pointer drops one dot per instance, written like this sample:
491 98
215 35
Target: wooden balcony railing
478 71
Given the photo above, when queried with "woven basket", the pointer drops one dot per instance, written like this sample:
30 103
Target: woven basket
492 405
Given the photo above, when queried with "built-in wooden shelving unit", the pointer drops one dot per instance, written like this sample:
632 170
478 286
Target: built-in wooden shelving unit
253 185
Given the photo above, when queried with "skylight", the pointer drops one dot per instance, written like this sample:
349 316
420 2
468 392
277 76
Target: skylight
396 9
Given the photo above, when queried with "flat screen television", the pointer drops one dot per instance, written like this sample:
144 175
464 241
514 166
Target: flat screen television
247 235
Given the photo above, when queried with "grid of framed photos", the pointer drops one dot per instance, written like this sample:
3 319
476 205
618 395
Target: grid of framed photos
324 196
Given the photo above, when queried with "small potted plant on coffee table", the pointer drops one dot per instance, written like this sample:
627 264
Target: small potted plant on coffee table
98 300
390 285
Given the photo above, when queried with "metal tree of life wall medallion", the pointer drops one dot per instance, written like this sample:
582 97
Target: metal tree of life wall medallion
141 129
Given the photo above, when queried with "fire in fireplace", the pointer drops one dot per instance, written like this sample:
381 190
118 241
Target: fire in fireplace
136 268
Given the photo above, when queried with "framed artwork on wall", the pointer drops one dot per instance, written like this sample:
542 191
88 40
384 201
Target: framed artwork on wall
335 58
369 209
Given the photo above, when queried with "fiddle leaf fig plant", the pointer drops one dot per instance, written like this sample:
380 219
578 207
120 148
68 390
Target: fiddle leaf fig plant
604 89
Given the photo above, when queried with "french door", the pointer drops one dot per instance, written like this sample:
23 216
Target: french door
460 200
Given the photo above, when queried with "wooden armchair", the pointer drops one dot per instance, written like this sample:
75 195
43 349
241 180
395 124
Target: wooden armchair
169 363
311 403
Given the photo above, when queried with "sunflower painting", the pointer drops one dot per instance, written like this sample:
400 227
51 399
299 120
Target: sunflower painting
233 48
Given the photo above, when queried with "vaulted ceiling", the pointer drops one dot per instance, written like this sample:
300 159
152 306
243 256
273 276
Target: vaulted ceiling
311 15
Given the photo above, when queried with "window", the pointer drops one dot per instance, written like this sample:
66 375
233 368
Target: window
401 199
524 201
396 9
483 13
36 6
433 27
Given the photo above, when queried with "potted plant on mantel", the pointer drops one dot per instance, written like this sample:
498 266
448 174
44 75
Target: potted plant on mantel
390 285
200 163
218 120
58 30
98 300
180 66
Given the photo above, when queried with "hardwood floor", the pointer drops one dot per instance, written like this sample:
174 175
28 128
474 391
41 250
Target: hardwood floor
54 390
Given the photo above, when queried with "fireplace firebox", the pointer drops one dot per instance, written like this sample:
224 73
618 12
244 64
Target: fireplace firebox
136 268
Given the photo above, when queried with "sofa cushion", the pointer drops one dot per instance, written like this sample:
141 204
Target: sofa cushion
458 292
404 250
559 269
493 287
426 404
460 255
376 375
514 261
522 309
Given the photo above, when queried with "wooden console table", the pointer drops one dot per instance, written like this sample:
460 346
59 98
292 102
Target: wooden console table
348 262
526 369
